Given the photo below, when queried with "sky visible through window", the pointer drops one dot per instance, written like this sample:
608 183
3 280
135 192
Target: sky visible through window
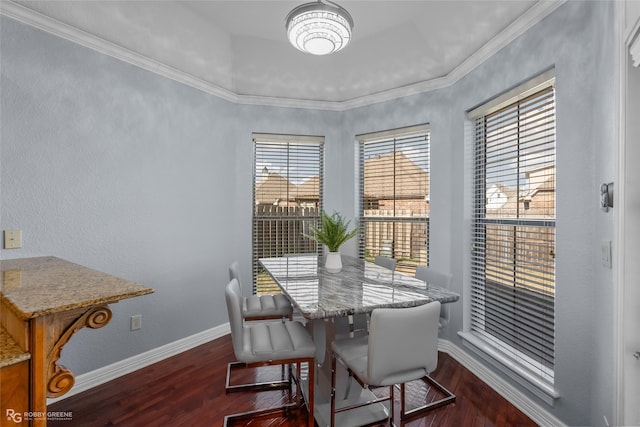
299 163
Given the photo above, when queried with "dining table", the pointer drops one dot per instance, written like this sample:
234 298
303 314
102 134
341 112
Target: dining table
337 305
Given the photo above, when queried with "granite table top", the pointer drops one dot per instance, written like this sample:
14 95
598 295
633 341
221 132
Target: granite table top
360 287
34 287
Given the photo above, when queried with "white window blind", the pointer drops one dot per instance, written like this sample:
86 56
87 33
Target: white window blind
513 231
288 173
394 196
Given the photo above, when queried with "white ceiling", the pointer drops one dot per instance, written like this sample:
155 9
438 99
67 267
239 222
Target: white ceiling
241 46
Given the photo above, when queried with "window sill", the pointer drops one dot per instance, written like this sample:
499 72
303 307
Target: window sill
507 366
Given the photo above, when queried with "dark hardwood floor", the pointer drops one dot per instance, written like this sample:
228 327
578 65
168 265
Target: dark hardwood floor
188 390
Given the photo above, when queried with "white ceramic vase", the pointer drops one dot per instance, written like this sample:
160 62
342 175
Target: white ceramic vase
333 263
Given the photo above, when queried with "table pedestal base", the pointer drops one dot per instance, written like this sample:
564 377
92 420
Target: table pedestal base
353 418
325 331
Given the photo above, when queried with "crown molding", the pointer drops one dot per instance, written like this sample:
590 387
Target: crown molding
35 19
75 35
400 92
308 104
535 14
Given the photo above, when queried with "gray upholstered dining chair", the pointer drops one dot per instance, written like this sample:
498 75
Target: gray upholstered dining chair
435 277
439 279
257 308
262 307
270 343
385 261
402 346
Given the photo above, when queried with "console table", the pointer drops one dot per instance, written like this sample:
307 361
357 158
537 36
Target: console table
44 301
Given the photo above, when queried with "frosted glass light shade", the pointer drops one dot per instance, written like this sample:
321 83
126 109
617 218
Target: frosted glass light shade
318 28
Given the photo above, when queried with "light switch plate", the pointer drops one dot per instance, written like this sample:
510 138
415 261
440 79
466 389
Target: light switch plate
12 239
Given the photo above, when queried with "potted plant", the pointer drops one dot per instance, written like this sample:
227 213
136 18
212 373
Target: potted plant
333 232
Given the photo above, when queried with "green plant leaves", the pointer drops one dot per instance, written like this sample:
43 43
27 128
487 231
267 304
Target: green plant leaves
333 231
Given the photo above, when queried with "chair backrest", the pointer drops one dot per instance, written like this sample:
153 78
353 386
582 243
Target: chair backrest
234 309
433 277
234 273
438 279
385 261
401 341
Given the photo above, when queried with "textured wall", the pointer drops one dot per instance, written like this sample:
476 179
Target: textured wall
578 40
122 170
136 175
118 169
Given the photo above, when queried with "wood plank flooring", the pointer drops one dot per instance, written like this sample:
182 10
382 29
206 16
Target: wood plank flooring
188 390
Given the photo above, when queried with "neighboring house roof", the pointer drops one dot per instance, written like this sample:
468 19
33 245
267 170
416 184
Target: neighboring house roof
273 189
412 182
542 179
276 189
537 201
309 189
498 194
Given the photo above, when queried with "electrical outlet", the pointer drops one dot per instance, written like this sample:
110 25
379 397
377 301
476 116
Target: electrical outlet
136 322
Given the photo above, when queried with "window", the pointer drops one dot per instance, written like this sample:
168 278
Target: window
287 198
513 229
394 196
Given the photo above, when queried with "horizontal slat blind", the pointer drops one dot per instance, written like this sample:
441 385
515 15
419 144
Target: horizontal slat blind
287 197
513 256
394 196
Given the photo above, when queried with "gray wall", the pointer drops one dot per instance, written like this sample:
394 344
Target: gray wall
577 40
118 169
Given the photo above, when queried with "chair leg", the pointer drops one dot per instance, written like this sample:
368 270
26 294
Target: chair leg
333 390
347 389
283 410
252 415
351 406
311 401
391 393
449 398
267 385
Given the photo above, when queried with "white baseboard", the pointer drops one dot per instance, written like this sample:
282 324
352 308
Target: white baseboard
537 413
107 373
110 372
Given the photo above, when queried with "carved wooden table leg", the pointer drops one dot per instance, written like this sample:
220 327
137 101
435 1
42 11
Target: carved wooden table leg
48 334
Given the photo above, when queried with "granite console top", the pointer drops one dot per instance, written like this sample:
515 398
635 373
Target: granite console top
10 352
34 287
360 287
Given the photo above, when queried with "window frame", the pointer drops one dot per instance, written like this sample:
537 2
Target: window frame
393 225
539 379
292 215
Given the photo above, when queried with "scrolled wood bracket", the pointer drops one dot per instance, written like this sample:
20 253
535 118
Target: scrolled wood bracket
59 378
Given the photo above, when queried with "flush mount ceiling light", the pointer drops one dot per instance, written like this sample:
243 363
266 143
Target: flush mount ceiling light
319 28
